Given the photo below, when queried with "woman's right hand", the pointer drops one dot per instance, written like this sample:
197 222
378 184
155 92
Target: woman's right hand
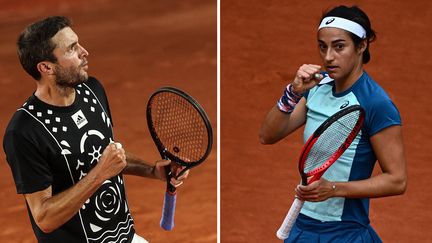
306 79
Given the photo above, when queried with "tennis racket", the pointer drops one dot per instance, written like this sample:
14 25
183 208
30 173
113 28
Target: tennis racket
322 149
182 133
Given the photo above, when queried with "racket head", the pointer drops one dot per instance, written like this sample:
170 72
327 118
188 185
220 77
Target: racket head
329 141
179 127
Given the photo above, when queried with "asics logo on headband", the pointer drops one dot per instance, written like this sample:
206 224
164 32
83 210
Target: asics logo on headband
345 24
330 20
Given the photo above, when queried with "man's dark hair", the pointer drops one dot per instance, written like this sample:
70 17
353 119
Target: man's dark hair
357 15
34 43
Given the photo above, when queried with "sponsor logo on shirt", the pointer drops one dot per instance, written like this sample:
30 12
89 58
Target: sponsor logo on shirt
345 104
79 119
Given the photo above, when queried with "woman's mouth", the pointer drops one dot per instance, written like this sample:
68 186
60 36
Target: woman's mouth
331 68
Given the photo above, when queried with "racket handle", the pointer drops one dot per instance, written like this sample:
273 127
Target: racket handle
168 210
290 219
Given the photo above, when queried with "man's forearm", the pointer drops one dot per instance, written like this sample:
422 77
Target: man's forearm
56 210
138 167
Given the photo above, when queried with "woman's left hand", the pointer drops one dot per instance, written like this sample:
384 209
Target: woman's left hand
317 191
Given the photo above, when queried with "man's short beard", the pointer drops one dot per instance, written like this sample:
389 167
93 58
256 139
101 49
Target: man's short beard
69 77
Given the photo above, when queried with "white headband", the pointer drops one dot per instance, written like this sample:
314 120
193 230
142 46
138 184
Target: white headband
344 24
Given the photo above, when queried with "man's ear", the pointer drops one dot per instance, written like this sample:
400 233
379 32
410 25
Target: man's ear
45 68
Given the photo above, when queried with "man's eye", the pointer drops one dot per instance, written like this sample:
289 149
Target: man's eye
72 48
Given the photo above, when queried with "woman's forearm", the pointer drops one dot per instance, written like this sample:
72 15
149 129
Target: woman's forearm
381 185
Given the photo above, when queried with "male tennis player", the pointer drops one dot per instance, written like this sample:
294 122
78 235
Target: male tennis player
61 149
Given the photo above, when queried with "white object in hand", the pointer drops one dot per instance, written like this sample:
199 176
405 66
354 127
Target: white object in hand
118 145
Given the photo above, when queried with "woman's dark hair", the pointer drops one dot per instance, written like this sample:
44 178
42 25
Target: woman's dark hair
355 14
34 43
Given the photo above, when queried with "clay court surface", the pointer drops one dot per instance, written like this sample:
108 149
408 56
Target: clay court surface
262 45
135 47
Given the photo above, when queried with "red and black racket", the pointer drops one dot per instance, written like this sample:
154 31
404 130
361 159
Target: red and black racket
182 133
323 148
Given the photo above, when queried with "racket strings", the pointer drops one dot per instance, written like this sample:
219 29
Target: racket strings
330 141
179 126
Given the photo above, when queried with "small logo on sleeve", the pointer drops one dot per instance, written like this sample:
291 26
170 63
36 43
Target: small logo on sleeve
79 119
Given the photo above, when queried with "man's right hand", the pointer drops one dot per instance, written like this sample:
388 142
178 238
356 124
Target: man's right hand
112 162
50 212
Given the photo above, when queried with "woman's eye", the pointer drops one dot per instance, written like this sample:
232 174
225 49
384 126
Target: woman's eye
339 46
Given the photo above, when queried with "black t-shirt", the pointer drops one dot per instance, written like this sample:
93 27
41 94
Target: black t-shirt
54 146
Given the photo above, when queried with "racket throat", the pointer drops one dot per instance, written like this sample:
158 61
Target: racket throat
308 179
170 188
304 179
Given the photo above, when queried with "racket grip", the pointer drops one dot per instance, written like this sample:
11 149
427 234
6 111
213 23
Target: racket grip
168 210
290 219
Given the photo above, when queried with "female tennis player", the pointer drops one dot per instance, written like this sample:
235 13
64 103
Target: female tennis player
337 206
